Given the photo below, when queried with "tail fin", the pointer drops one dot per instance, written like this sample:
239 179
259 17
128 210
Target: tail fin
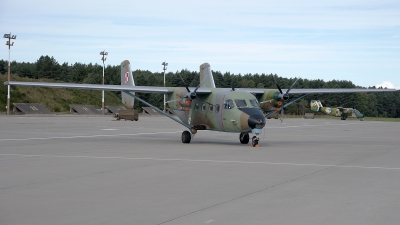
206 77
358 114
315 105
127 80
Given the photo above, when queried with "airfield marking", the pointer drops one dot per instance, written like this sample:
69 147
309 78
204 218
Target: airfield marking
308 125
86 136
203 160
116 135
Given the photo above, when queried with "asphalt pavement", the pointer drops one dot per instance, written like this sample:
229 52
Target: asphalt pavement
94 170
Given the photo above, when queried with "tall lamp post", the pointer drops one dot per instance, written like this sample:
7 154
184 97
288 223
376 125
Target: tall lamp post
103 53
165 64
9 36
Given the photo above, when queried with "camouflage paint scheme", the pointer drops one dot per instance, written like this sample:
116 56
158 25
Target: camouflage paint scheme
241 110
341 112
210 111
218 110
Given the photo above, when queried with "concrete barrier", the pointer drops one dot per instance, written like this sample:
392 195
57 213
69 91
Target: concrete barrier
308 115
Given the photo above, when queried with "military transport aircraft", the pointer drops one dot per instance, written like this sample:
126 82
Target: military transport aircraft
206 107
341 112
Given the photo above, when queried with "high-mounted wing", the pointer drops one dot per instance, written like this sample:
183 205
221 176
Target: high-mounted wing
258 91
140 89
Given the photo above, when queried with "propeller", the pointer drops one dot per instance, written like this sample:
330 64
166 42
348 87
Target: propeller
193 94
187 100
184 83
283 96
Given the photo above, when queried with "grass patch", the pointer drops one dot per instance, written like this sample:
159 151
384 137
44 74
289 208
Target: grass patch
55 99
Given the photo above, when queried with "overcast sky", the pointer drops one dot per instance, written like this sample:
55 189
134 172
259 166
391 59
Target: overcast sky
343 39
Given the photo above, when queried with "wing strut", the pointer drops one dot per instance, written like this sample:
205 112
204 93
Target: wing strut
158 110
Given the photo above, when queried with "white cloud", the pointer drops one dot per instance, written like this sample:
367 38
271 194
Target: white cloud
387 84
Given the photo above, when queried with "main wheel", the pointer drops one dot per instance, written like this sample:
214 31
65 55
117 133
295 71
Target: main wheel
186 136
244 138
254 141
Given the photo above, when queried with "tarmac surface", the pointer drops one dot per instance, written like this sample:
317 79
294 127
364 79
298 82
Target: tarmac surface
93 170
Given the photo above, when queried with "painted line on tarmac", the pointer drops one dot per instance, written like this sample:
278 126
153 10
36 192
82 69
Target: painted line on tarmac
86 136
203 160
283 126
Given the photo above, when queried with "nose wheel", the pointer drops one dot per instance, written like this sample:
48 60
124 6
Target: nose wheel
254 141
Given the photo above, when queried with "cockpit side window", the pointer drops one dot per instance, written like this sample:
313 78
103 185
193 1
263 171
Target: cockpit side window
241 103
228 104
254 103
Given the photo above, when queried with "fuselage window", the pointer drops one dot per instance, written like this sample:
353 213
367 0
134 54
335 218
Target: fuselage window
211 107
217 108
196 107
203 107
241 103
229 104
254 103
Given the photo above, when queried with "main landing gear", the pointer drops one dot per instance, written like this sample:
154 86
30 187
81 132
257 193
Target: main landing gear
186 137
244 139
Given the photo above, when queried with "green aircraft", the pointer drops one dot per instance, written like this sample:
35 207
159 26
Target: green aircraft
206 107
341 112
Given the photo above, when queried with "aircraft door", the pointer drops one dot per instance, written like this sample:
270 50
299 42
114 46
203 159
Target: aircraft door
227 115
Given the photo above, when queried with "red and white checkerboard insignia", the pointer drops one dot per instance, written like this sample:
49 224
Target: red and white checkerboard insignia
126 77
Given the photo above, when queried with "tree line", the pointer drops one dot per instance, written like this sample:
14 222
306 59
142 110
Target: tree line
370 104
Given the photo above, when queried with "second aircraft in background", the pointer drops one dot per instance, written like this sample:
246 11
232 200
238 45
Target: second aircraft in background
341 112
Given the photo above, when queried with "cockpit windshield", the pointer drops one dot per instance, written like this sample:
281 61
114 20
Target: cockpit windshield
241 103
254 103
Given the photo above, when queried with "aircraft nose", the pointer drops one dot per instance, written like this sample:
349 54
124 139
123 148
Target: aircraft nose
256 121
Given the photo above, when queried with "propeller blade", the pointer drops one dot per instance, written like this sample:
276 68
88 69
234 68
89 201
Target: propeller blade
280 90
193 94
187 88
196 88
291 86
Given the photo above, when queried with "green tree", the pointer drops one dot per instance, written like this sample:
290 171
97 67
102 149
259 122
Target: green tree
3 67
47 67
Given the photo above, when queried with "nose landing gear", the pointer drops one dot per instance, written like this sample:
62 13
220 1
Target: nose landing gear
254 141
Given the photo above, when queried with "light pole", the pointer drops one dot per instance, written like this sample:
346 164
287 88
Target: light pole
103 53
9 36
165 64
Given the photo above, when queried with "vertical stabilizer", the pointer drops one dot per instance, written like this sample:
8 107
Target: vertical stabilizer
127 80
206 77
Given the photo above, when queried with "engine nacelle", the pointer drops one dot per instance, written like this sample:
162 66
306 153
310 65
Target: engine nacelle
185 103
